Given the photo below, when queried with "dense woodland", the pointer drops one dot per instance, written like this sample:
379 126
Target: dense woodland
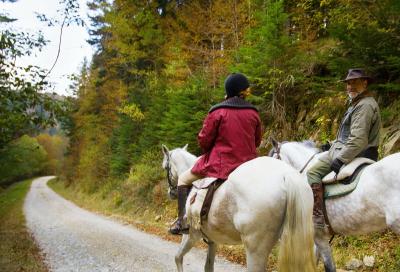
160 65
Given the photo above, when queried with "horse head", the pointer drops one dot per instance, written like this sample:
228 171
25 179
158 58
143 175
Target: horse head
175 162
297 154
276 146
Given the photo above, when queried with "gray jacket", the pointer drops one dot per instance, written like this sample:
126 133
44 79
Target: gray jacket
358 131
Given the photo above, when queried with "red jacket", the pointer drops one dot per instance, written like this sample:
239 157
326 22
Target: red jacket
229 137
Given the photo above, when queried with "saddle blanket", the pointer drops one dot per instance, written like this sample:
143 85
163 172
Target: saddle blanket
341 189
195 201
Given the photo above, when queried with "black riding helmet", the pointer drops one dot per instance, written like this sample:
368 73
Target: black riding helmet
235 83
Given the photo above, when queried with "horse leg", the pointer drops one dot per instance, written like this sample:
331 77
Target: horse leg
393 221
258 249
324 249
188 241
256 261
212 247
317 254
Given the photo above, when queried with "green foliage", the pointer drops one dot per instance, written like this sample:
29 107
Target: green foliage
145 174
23 106
369 36
122 144
22 158
261 55
184 115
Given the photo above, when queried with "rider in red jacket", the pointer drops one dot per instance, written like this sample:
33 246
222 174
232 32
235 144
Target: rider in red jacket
230 135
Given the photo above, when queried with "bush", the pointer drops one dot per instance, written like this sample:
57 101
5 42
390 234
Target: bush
145 174
22 158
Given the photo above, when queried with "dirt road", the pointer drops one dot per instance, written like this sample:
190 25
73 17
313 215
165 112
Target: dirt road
74 239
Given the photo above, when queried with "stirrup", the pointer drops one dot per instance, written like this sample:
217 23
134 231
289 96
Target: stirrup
177 229
320 226
319 222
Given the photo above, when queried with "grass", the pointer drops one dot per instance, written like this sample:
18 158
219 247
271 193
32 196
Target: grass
155 214
18 251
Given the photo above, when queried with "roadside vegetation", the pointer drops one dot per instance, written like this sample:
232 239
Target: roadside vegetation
18 251
149 209
28 156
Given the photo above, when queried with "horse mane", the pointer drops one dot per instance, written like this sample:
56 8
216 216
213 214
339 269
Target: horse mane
299 152
308 143
186 158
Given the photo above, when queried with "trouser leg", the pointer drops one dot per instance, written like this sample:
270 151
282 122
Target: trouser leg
187 178
185 181
315 175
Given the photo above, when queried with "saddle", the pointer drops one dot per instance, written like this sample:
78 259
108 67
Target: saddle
200 200
343 183
346 180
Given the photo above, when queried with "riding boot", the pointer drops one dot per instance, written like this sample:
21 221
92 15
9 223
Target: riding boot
179 226
318 214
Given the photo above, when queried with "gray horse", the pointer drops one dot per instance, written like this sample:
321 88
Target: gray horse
373 206
261 201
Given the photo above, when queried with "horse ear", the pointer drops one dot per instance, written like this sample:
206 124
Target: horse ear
274 142
185 147
165 150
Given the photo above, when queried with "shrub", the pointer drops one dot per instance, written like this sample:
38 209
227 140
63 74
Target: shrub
22 158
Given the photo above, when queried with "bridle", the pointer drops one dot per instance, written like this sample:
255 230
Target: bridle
277 151
170 176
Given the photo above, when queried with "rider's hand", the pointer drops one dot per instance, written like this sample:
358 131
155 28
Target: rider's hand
326 146
336 165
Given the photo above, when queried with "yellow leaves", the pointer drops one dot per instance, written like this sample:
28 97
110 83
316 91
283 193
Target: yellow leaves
132 111
323 121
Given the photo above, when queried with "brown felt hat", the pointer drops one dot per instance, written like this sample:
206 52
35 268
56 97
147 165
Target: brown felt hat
356 73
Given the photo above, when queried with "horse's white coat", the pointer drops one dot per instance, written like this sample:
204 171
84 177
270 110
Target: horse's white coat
250 208
373 206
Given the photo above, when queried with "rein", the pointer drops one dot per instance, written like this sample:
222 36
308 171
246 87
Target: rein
309 160
169 176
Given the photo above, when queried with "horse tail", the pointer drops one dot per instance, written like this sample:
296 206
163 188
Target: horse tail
297 243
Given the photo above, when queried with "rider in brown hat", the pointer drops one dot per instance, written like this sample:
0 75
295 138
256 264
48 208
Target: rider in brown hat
358 136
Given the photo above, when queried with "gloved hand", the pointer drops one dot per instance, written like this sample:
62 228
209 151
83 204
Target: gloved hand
326 146
336 165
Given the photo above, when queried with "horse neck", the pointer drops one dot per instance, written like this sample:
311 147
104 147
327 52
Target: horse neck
296 154
183 161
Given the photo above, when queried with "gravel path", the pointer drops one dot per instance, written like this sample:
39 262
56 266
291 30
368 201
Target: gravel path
74 239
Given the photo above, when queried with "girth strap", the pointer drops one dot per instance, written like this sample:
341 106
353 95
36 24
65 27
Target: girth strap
208 199
331 231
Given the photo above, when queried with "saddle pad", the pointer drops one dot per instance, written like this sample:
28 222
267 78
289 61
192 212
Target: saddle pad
195 201
340 189
346 171
203 183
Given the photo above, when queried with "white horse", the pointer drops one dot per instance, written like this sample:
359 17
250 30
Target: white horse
261 201
373 206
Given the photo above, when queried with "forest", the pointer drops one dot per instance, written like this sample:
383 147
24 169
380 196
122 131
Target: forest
160 65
